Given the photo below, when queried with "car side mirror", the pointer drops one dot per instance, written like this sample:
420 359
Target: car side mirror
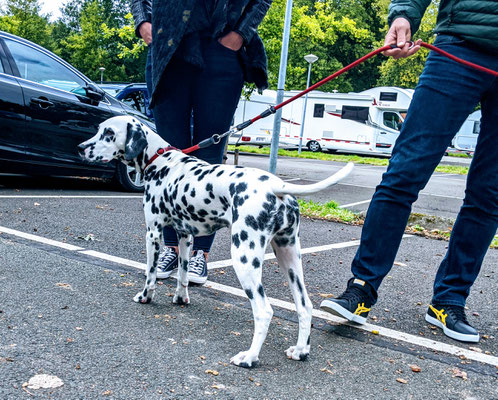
93 92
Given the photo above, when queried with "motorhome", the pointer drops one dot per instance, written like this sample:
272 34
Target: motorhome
466 138
365 122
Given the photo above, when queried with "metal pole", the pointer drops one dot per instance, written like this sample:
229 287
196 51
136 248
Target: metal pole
280 88
304 111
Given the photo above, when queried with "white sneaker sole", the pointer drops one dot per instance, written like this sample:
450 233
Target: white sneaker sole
452 334
194 278
165 275
334 308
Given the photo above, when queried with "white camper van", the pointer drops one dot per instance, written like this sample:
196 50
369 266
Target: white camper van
466 138
366 122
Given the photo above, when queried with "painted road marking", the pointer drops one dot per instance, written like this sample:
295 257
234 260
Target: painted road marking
355 204
380 331
41 196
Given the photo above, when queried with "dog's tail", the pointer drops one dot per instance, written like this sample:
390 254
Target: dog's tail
289 188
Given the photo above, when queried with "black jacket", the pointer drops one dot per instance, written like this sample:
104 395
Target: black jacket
170 19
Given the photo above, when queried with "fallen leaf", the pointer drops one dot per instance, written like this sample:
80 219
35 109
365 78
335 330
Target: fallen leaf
477 349
328 371
401 380
212 372
43 381
36 204
458 373
218 386
107 393
375 332
415 368
78 328
400 264
326 295
235 333
64 285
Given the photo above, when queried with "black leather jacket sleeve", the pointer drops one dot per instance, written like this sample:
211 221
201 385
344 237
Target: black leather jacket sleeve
142 12
250 19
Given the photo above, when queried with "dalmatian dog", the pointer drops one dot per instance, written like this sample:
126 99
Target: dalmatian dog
196 199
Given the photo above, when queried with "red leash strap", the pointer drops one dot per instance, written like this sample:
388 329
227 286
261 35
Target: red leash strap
215 139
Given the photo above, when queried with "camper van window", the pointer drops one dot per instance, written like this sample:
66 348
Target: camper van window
392 120
388 96
359 114
318 111
477 127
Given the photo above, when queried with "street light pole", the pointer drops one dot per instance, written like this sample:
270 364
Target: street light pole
101 69
310 58
280 88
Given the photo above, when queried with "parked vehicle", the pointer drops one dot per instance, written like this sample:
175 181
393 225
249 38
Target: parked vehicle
47 108
136 96
466 138
112 87
366 122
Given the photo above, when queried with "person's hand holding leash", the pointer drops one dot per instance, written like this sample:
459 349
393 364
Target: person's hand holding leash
145 31
400 34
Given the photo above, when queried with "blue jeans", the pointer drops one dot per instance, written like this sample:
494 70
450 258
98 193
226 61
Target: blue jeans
445 95
207 98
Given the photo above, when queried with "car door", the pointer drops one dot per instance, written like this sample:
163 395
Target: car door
11 116
59 115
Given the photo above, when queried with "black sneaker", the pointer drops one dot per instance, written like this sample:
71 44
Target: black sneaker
354 304
197 268
453 321
168 263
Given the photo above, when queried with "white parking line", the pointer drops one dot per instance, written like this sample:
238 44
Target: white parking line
41 196
374 329
355 204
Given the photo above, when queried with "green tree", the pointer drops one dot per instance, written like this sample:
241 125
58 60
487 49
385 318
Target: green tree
405 72
23 18
337 32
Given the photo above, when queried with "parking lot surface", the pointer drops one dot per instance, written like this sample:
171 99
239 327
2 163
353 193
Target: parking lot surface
72 254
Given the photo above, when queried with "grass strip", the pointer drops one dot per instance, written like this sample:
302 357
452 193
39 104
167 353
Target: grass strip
382 161
331 211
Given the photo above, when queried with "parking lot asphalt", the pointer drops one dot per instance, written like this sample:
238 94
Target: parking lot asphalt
70 266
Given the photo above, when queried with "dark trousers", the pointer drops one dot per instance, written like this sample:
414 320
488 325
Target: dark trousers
446 94
205 98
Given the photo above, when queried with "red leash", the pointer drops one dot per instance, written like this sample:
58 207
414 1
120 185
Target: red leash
215 139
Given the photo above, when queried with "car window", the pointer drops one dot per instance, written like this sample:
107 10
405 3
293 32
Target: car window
136 100
1 68
36 66
392 120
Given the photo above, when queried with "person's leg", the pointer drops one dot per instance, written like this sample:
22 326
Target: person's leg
216 95
446 94
477 220
172 111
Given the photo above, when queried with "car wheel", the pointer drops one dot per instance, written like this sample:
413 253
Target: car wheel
129 179
314 146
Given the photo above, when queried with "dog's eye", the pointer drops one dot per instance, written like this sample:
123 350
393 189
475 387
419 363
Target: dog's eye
108 132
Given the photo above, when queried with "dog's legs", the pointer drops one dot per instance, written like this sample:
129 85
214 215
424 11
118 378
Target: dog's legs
248 264
288 252
152 240
184 249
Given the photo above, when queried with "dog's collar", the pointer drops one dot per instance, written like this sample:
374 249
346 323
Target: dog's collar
157 154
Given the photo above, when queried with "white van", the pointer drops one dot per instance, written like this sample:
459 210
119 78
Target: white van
466 138
366 122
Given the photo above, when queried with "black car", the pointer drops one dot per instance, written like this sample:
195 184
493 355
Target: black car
47 108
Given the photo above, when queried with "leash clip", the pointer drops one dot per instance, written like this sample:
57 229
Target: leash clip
216 138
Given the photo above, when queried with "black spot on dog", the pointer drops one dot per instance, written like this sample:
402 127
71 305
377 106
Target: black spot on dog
292 276
256 263
249 294
261 291
263 178
243 235
243 260
236 240
262 241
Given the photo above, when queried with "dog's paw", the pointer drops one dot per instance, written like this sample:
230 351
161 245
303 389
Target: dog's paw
180 300
140 298
245 360
298 353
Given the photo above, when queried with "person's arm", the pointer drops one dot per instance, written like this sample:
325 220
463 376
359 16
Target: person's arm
404 20
142 15
247 25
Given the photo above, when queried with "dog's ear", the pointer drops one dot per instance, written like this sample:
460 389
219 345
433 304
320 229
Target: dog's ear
135 141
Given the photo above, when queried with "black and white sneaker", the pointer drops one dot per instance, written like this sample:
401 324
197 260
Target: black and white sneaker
453 321
168 263
197 268
354 304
